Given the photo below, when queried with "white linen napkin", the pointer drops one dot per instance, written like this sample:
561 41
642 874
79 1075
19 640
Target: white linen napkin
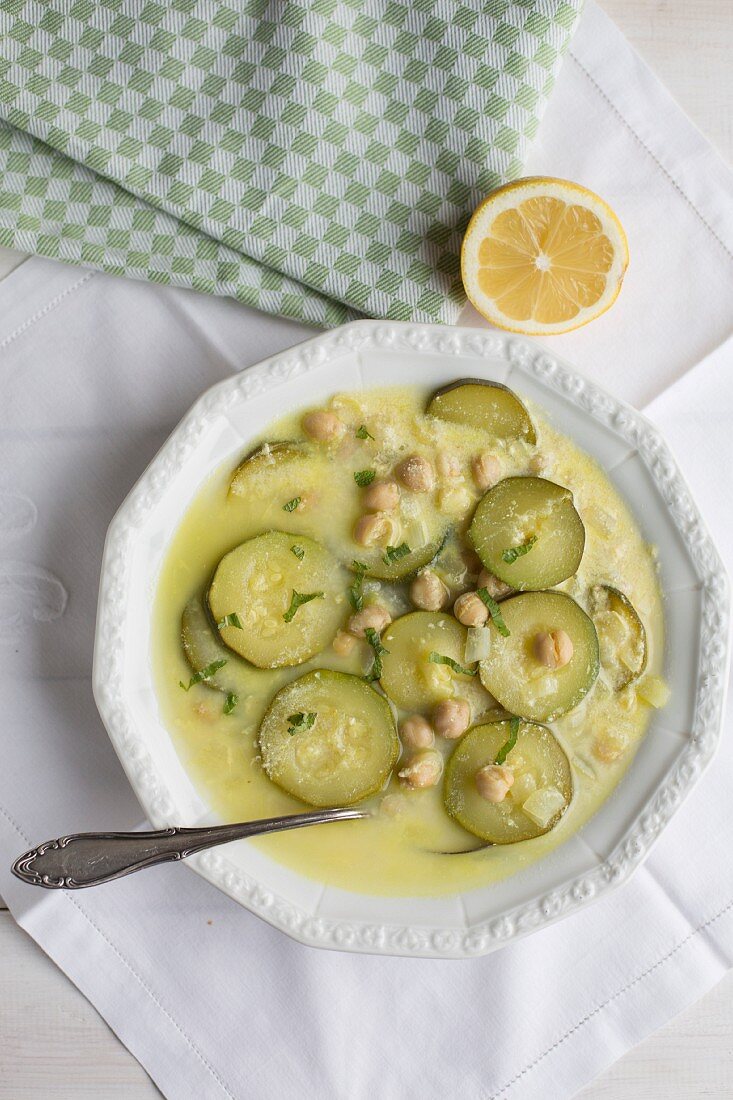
212 1001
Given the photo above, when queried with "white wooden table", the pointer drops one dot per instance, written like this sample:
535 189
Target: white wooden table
690 46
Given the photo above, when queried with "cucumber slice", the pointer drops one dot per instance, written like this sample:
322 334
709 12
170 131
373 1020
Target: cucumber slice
270 461
401 568
258 580
511 515
344 754
537 755
450 562
202 647
278 473
486 405
512 673
409 678
621 635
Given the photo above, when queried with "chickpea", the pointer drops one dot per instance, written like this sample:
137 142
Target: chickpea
451 718
375 617
428 592
470 609
382 496
486 470
323 426
448 465
423 770
496 588
373 530
553 649
343 643
416 732
416 474
493 782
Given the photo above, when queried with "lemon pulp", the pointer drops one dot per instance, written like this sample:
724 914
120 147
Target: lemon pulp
543 256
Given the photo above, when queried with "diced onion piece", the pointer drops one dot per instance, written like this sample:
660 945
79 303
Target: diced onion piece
654 691
542 805
478 644
583 766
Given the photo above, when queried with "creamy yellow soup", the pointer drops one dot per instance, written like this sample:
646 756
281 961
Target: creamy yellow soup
401 850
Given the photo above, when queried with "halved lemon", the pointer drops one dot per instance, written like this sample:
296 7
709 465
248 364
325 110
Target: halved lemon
543 255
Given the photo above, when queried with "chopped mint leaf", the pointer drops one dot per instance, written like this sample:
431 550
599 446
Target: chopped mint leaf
230 702
356 598
362 433
297 600
301 721
230 620
507 747
298 551
292 504
513 552
375 642
394 553
202 675
364 477
494 611
441 659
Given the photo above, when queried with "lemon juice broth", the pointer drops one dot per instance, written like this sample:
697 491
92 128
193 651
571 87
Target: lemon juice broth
398 851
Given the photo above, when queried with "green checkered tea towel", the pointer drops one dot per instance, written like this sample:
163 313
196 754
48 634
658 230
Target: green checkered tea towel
317 159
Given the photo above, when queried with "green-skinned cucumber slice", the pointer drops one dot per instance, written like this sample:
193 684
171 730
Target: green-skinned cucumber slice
489 406
202 648
621 635
268 462
281 476
342 755
517 511
285 481
258 581
410 679
382 567
542 781
514 676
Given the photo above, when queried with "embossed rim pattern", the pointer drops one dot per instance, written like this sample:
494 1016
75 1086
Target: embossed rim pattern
714 638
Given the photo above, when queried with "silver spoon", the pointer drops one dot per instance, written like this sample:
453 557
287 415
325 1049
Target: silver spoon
88 859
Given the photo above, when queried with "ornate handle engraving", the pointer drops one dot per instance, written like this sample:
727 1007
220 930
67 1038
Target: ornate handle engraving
88 859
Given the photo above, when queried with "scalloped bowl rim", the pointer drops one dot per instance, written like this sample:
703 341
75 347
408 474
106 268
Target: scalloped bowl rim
361 922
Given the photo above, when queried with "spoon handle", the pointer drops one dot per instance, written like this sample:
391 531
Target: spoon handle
88 859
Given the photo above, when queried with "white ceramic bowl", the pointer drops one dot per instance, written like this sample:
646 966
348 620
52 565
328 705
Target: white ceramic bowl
681 739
